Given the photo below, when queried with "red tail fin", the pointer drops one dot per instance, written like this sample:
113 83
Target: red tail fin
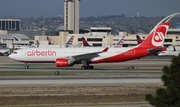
156 36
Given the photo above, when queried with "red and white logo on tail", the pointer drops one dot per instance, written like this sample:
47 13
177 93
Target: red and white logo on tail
159 35
156 36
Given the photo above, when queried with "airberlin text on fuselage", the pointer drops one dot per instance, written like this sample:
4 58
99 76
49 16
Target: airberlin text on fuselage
41 53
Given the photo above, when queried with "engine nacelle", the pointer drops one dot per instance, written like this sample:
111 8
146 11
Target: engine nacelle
63 62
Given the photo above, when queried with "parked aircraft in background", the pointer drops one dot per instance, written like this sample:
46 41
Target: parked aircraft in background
139 40
117 45
169 52
85 43
64 57
50 45
70 41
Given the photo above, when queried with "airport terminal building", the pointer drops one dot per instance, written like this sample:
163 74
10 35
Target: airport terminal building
105 38
96 37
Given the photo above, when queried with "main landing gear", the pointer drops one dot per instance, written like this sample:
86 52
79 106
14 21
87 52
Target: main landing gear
87 67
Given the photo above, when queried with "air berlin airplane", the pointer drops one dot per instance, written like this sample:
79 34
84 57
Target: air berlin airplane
63 57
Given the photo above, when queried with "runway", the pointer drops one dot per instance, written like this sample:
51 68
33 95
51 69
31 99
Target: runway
119 80
29 81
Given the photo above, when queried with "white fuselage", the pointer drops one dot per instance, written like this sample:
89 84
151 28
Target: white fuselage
51 54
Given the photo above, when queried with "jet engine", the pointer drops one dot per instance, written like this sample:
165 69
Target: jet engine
64 62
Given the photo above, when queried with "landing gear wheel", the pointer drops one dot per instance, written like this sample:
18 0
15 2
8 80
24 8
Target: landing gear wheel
56 72
26 66
91 67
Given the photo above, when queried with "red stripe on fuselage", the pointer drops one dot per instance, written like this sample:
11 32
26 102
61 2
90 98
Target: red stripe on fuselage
135 53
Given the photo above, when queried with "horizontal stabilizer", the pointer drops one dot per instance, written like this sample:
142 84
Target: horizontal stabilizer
153 51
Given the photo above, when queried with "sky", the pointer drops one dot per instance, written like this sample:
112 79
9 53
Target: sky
50 8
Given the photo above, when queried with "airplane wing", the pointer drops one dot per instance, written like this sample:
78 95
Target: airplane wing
88 56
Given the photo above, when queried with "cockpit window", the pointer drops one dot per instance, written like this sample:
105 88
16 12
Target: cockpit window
14 52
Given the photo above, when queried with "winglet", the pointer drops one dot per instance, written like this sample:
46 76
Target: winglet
105 50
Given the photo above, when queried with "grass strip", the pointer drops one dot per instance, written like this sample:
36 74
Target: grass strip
70 99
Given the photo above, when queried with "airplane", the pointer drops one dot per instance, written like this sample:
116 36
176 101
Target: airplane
117 45
64 57
49 41
167 53
68 43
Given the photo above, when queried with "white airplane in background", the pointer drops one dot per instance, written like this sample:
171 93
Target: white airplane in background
63 57
167 53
